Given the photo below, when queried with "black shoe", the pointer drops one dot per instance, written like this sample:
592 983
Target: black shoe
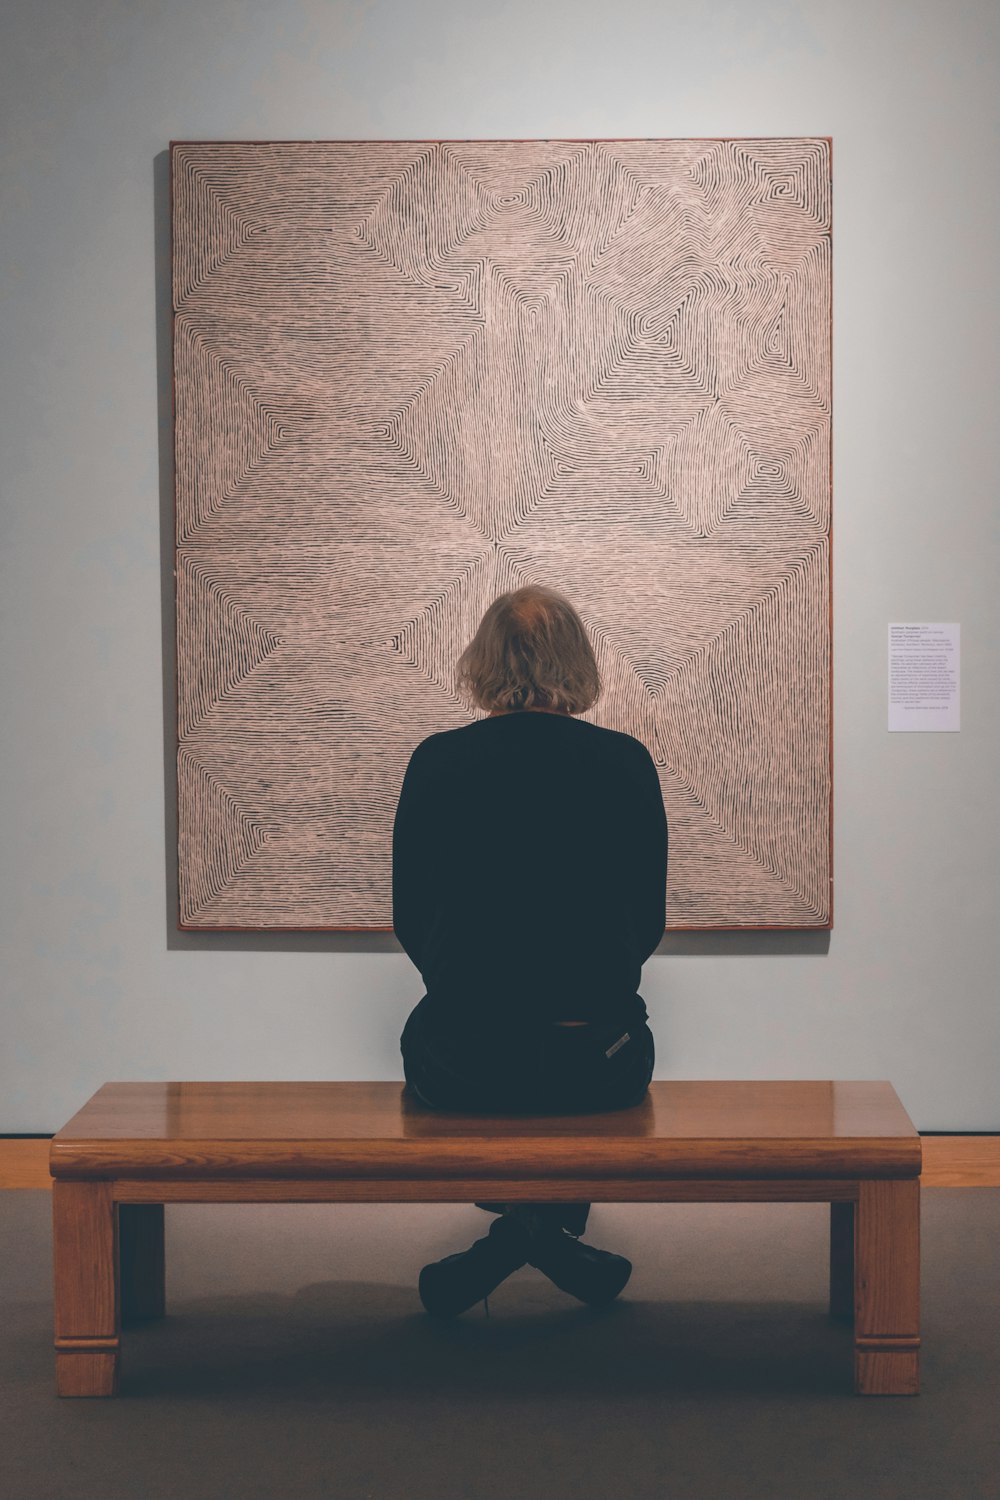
591 1275
450 1286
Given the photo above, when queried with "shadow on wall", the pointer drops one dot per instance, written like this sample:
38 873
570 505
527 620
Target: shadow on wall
680 944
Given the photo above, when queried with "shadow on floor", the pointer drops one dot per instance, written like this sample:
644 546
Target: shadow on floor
338 1339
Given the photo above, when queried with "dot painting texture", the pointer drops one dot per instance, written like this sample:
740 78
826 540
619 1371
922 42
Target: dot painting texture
410 375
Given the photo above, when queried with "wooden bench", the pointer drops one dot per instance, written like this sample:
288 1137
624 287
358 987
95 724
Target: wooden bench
134 1147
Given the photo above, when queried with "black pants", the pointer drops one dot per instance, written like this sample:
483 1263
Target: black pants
528 1069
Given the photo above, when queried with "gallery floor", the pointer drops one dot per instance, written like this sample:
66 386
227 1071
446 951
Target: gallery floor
296 1361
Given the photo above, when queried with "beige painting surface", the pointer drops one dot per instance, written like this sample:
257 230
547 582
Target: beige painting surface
410 375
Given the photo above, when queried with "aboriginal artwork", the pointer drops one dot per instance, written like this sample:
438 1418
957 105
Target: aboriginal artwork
411 375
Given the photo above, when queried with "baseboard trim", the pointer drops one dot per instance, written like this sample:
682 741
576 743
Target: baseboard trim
24 1163
949 1161
960 1160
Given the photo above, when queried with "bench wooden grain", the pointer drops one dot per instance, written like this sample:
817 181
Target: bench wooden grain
135 1147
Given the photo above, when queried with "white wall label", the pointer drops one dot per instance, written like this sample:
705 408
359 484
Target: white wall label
924 677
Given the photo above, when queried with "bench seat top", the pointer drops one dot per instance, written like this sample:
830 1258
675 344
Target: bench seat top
745 1128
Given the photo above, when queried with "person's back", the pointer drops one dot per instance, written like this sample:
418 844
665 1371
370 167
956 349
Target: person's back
529 885
529 869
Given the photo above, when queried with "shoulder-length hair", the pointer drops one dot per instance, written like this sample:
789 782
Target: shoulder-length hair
531 650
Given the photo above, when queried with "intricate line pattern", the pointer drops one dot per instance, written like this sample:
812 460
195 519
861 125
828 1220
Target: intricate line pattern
410 375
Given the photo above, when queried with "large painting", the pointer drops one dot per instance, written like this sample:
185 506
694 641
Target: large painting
410 375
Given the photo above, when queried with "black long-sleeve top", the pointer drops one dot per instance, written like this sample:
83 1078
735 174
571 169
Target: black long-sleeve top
529 869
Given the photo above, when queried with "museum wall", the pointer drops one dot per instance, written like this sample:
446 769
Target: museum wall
96 982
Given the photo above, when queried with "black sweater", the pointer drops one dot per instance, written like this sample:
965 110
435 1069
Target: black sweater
529 869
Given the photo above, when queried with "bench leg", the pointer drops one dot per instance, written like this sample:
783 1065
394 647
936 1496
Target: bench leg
141 1267
842 1261
887 1288
87 1308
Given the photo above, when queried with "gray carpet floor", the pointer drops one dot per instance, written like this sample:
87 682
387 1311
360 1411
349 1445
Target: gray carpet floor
296 1361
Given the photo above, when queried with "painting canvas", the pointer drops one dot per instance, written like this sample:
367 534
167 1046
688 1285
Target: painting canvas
410 375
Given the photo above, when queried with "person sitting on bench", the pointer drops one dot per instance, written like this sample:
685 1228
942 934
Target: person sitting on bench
529 869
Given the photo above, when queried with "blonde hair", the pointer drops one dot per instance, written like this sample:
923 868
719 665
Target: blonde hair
531 650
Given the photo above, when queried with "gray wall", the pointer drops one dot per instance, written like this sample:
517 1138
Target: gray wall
96 984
